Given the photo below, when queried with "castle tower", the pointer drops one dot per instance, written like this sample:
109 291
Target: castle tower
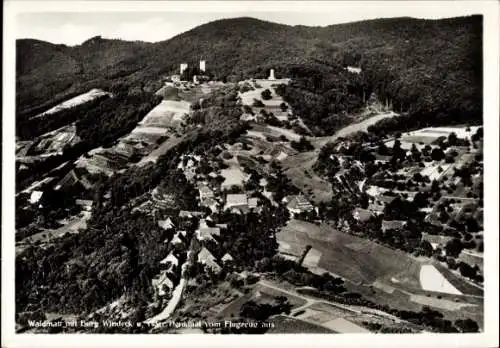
183 67
202 66
271 75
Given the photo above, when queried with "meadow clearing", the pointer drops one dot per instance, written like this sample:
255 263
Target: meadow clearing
80 99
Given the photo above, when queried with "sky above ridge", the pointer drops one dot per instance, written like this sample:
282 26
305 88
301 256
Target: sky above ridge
156 23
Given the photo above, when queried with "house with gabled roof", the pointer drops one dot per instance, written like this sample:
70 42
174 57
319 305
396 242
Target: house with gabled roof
176 240
205 192
298 204
237 200
204 232
227 258
361 214
211 203
170 260
162 284
376 208
190 214
205 257
166 224
395 225
207 233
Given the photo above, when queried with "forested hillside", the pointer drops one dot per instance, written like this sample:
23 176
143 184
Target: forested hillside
422 66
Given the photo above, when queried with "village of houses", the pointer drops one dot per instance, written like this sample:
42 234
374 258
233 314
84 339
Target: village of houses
224 188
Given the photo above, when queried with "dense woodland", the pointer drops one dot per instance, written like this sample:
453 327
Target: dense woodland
128 245
324 97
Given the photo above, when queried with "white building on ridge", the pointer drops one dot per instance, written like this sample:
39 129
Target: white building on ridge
183 67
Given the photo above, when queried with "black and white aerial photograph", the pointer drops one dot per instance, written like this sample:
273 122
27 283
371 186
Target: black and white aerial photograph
252 168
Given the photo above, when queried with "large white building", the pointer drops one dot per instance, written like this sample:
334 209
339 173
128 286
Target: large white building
297 204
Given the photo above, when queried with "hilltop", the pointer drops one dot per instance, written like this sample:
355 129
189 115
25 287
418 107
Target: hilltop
436 61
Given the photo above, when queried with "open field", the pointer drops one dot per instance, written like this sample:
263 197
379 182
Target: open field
290 134
407 145
472 258
431 279
453 307
143 140
167 114
361 261
168 92
48 144
334 316
80 99
312 258
262 131
266 292
319 142
271 105
342 325
351 257
190 95
462 285
299 169
382 275
260 293
193 94
432 171
233 176
72 226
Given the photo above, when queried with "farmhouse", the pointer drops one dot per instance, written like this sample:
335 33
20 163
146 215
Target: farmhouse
205 257
362 214
178 238
170 261
227 258
35 196
239 200
211 203
297 204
